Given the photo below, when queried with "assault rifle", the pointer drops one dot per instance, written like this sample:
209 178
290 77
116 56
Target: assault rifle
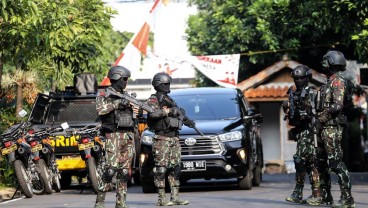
131 99
315 101
183 116
290 114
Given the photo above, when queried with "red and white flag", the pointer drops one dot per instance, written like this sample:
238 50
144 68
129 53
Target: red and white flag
130 58
222 69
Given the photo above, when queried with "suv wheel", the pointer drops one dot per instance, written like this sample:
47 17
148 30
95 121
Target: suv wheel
256 176
245 183
148 186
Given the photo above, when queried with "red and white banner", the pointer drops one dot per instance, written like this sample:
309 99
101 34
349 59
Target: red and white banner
222 69
130 58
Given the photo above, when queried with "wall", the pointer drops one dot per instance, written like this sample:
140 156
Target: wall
270 130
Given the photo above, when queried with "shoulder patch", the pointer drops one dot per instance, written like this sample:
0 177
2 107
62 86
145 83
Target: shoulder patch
336 83
102 93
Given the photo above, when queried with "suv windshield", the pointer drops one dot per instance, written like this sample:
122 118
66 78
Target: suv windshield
209 107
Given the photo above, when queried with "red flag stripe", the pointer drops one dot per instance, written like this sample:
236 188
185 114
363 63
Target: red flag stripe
118 59
141 40
154 5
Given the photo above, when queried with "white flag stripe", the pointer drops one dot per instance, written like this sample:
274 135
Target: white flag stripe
131 55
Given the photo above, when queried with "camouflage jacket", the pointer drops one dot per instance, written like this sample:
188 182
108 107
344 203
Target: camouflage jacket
106 109
332 98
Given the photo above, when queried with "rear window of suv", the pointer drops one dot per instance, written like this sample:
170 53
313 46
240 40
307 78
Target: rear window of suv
209 106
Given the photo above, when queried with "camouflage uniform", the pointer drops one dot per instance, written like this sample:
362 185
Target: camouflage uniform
166 148
333 98
306 153
119 150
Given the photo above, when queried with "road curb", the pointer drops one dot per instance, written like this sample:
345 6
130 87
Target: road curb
7 196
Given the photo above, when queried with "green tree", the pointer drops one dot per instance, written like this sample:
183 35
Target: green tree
73 33
19 38
264 30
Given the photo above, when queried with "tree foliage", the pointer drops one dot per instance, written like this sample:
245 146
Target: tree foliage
55 39
264 30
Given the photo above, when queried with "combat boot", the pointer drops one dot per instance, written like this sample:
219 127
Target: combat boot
315 199
162 198
346 200
100 200
175 197
297 195
327 198
121 201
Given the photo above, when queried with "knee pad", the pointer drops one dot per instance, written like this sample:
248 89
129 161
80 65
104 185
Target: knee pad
123 174
159 172
334 164
108 174
299 164
176 172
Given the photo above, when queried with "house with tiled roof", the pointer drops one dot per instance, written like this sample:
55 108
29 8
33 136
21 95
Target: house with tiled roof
266 91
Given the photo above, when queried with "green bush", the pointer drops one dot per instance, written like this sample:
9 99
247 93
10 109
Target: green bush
6 173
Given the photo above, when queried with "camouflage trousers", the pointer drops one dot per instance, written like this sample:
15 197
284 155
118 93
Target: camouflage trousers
332 136
119 154
167 153
305 159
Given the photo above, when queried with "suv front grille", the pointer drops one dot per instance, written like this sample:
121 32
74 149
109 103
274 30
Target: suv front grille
202 146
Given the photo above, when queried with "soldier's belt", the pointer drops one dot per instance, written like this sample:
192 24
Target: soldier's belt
166 138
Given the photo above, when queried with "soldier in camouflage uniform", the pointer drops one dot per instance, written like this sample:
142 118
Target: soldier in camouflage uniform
118 126
330 118
165 122
299 111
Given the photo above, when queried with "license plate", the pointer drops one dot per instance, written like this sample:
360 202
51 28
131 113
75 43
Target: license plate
199 165
8 150
85 146
37 148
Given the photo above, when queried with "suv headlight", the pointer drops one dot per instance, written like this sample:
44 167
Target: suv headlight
147 140
231 136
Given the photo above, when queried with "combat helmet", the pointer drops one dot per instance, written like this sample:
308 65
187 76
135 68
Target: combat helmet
301 75
116 72
161 82
334 60
118 76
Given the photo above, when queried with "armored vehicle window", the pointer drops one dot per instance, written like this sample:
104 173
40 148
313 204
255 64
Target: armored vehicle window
72 111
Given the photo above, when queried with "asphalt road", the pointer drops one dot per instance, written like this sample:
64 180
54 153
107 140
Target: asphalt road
271 193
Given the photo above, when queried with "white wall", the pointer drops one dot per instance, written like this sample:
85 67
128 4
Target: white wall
270 130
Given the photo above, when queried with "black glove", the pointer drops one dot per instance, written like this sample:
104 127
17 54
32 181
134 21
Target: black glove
189 123
121 103
174 111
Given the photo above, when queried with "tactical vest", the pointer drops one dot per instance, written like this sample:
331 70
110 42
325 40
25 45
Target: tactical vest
118 118
166 124
302 107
